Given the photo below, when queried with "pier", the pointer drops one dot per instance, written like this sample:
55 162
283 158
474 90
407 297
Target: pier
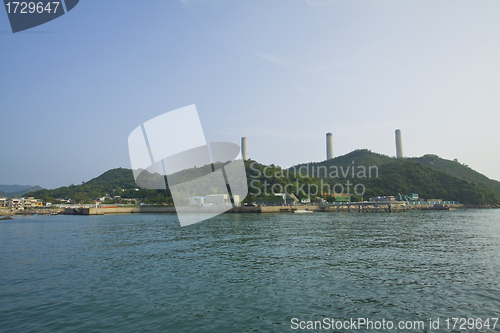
365 206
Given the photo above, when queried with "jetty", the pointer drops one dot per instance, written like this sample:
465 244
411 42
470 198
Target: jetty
366 206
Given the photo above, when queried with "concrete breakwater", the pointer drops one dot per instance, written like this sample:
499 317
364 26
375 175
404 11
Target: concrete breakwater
352 207
188 209
35 211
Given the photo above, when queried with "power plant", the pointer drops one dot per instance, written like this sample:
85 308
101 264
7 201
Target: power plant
244 151
399 144
329 146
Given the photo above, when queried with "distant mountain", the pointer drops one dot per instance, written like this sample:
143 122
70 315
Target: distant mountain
14 188
17 190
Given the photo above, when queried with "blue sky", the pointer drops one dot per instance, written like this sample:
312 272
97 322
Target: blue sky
281 73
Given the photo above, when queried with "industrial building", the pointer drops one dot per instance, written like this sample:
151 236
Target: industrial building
214 200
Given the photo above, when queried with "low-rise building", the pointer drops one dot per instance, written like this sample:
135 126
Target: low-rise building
217 199
14 203
412 196
31 202
196 201
3 202
342 197
63 200
383 199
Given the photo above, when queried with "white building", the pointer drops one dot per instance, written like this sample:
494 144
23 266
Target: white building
14 203
383 199
217 199
221 199
196 201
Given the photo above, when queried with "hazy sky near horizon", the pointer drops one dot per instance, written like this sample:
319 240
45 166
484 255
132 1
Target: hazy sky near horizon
281 73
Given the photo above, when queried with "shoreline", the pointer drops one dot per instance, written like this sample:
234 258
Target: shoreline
352 207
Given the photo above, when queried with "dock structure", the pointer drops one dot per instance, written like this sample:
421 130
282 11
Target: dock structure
365 206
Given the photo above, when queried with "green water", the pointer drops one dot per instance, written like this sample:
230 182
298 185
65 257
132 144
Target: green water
246 273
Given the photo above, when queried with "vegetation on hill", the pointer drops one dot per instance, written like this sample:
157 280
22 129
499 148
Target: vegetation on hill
359 157
114 182
405 177
442 179
460 170
376 174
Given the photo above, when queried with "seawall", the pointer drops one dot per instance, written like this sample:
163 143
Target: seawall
188 209
353 207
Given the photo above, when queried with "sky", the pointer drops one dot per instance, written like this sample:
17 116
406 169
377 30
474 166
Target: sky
281 73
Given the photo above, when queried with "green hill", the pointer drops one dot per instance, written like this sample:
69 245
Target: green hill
359 157
404 176
430 176
378 175
114 182
459 170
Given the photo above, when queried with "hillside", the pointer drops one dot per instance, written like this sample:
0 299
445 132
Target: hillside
459 170
404 176
359 157
114 182
388 176
434 177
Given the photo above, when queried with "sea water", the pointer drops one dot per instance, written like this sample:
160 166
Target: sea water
249 272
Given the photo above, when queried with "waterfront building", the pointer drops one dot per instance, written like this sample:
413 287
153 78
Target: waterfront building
195 201
14 203
383 199
217 199
343 197
31 202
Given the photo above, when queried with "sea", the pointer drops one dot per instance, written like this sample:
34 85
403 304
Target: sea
418 271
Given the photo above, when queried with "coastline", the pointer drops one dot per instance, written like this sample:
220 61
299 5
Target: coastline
352 207
253 209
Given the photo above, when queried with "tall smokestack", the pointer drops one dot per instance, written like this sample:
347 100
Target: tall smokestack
329 146
399 144
244 151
